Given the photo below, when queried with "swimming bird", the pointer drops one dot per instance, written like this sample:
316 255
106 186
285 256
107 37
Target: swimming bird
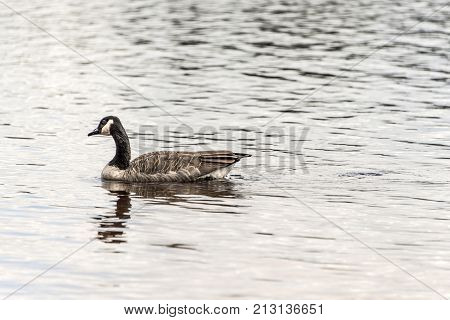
161 166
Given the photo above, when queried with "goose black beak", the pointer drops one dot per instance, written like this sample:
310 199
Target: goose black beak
94 132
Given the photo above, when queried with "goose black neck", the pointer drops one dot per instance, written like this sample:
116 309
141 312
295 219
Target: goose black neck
123 151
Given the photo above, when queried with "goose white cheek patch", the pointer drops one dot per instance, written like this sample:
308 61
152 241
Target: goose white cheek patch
106 128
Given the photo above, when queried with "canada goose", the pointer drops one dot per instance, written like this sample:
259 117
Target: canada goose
163 166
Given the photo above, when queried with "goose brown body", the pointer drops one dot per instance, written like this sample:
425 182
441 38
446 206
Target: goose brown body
163 166
167 166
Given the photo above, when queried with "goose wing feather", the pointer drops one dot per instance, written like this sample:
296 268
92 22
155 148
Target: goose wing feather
170 166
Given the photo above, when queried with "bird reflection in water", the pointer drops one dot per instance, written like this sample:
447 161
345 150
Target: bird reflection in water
112 225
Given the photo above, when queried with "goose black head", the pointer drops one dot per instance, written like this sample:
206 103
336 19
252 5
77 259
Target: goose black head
111 126
107 126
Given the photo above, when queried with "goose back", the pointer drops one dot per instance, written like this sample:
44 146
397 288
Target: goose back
173 166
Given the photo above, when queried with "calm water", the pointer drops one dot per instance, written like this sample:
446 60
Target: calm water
375 143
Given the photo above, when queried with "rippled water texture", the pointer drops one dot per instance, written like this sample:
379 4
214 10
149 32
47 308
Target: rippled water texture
372 162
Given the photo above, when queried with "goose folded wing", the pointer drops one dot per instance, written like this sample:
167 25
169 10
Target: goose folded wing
183 165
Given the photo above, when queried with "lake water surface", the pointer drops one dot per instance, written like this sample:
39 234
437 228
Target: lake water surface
346 195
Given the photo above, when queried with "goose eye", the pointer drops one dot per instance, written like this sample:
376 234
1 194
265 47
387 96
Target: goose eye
103 121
